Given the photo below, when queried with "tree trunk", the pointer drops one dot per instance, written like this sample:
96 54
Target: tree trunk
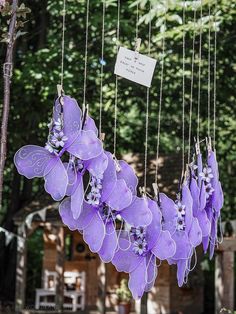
144 308
101 300
7 74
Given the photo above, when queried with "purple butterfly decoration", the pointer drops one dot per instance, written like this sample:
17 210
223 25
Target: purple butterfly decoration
137 254
130 231
215 199
184 228
65 135
110 198
199 195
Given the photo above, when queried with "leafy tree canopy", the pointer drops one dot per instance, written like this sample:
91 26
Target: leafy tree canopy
37 72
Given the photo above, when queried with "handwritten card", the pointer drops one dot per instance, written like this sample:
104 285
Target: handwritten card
135 67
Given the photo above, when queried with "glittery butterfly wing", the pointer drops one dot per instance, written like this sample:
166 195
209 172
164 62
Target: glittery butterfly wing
97 166
127 173
169 213
94 233
152 272
77 197
90 125
86 146
195 233
154 228
109 178
66 214
86 216
72 178
195 193
109 245
188 202
35 161
137 213
56 180
200 214
182 269
72 116
125 260
165 246
121 196
138 280
183 245
217 198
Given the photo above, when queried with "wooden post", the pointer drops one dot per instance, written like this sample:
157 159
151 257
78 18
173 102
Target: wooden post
224 281
20 273
144 301
101 302
60 269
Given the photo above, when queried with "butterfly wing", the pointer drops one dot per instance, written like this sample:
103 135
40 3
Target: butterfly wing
121 196
127 173
188 202
109 178
154 229
165 246
32 161
66 214
96 166
77 198
86 146
94 233
138 280
71 119
137 213
151 272
56 180
109 244
195 233
72 178
90 125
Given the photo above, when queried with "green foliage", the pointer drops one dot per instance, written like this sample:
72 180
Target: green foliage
21 15
123 293
37 71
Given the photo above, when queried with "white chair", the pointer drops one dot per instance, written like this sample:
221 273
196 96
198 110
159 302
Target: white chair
75 280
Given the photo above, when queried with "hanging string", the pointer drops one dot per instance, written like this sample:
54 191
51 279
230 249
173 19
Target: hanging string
209 75
199 75
116 88
191 86
183 96
137 21
86 53
102 68
214 83
160 101
63 42
147 108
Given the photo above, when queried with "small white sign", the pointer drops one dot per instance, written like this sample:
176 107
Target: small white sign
135 67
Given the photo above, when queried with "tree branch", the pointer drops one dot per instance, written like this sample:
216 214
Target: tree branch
7 74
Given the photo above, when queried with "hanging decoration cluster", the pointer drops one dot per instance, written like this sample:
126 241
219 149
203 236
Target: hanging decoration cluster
130 231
